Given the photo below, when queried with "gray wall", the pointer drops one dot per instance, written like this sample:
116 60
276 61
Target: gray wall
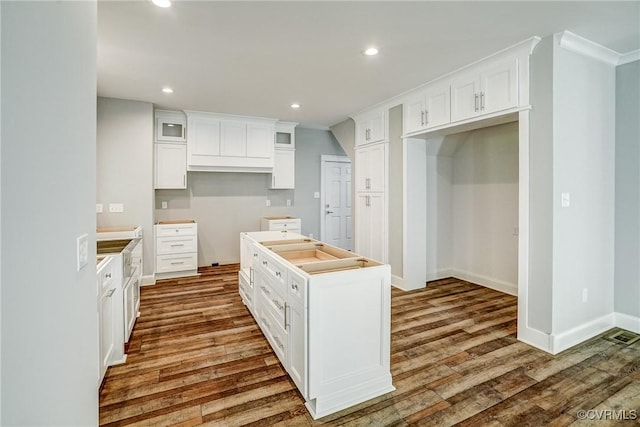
395 190
627 245
49 320
540 285
125 167
226 204
345 134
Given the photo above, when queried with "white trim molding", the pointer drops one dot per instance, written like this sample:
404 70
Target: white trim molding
625 321
564 340
578 44
148 279
628 57
487 282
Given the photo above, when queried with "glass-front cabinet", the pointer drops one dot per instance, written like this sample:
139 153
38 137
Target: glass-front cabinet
171 126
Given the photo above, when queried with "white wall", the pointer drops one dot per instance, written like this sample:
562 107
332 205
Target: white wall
484 200
627 243
49 317
583 159
125 167
395 191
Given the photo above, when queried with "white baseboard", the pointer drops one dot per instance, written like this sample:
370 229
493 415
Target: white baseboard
488 282
149 279
564 340
398 282
625 321
534 338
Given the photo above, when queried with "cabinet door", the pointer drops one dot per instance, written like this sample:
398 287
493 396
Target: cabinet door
362 225
371 164
377 125
284 173
437 106
170 129
107 338
499 86
171 166
297 346
233 139
414 112
260 139
204 137
377 226
465 97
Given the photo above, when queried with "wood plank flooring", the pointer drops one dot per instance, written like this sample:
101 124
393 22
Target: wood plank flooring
197 357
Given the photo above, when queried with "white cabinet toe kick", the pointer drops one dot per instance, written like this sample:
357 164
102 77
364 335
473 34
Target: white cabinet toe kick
325 311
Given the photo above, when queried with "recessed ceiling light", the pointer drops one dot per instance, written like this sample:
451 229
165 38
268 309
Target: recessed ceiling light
371 51
162 3
167 90
295 105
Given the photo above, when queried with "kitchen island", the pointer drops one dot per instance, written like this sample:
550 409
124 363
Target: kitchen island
326 313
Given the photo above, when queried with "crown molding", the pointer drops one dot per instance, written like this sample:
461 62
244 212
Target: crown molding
628 57
578 44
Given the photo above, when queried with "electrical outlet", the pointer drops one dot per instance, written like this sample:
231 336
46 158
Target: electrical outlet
82 249
316 195
288 202
268 202
164 204
116 207
98 207
585 295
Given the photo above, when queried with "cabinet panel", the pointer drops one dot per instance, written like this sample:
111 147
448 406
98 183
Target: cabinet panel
284 169
414 113
174 245
259 140
499 85
465 97
233 137
371 225
371 127
170 166
438 106
297 346
204 136
170 126
370 167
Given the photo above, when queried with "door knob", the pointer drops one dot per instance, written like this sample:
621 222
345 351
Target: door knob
329 212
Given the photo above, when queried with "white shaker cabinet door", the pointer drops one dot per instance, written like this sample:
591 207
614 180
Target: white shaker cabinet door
499 84
171 166
260 140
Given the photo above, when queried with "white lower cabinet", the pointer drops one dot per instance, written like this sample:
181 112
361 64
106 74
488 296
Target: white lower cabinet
176 249
336 352
106 307
371 228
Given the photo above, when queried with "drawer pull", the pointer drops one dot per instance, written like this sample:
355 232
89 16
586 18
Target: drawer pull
111 291
107 276
277 304
255 255
266 323
265 290
177 244
277 340
264 262
294 286
286 323
177 262
278 274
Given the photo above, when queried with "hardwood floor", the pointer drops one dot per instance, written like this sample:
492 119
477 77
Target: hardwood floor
197 357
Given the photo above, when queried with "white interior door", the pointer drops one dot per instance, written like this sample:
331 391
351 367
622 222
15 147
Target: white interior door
336 212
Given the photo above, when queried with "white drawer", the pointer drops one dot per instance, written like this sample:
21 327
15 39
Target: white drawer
188 229
272 300
276 336
297 288
284 224
176 244
169 263
276 271
105 277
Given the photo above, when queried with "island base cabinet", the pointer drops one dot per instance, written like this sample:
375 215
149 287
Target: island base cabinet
349 344
328 320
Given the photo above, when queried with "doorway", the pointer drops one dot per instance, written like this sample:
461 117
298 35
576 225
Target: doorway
336 202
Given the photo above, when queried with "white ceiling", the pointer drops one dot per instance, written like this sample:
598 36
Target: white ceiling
256 58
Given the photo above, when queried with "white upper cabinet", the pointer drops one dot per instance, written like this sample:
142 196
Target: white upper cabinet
485 89
170 166
428 108
170 126
226 143
372 127
370 166
286 134
284 169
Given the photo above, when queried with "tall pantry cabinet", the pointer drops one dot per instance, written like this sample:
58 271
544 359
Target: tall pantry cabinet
372 186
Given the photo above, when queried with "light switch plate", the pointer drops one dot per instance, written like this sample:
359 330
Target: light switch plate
288 202
565 200
164 204
98 207
316 195
268 202
82 246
